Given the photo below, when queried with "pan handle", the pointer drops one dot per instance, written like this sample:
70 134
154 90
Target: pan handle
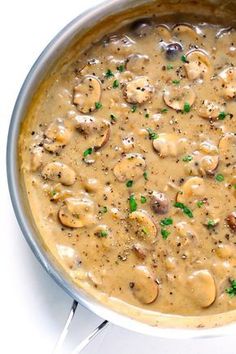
85 342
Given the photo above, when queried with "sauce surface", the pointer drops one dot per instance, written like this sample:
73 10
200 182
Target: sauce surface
129 162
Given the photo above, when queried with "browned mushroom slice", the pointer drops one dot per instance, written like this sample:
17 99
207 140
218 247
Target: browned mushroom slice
198 65
139 251
210 110
231 221
77 212
186 233
142 226
138 90
202 288
176 97
141 28
227 148
87 93
228 76
169 145
185 32
194 187
85 124
104 136
131 167
59 172
163 32
226 39
119 45
137 62
57 135
36 158
143 285
202 164
159 203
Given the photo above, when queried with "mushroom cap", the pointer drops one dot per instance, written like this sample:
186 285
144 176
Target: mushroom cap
142 225
59 172
87 93
168 144
202 288
198 64
177 96
144 287
193 187
130 167
138 90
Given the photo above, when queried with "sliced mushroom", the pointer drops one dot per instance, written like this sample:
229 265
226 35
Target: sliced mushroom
59 172
164 33
57 192
202 164
77 212
119 45
208 147
177 97
142 226
141 28
57 135
227 148
139 251
159 203
198 65
210 110
91 185
138 90
186 232
85 124
173 50
130 167
202 288
137 62
193 187
231 221
104 136
87 93
225 251
143 285
185 31
169 145
228 76
36 158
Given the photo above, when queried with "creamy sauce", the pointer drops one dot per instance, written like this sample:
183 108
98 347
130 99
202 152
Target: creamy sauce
129 165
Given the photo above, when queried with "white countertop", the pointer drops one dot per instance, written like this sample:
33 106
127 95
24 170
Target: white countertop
33 308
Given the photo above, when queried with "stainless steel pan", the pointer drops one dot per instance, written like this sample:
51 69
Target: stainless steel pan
226 11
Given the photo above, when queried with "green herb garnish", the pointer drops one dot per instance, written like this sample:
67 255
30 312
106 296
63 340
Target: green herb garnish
103 210
210 224
166 222
231 291
53 193
109 74
143 199
164 110
200 203
133 108
147 115
234 186
223 115
88 152
176 82
113 118
98 105
165 233
184 59
121 68
144 230
145 175
116 84
103 233
219 178
187 107
187 158
132 203
169 67
185 209
129 183
152 134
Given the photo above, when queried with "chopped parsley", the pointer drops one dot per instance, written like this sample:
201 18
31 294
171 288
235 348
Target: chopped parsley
88 152
145 175
116 84
164 110
147 115
109 74
165 233
129 183
53 193
169 67
121 68
103 233
152 134
166 222
231 291
103 210
210 224
187 107
144 230
185 209
219 178
132 203
176 82
187 158
98 105
200 203
133 108
113 118
143 199
234 186
223 115
184 59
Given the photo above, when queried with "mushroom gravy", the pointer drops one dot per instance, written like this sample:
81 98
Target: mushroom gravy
129 162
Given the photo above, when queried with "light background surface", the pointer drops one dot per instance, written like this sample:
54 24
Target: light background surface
33 308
